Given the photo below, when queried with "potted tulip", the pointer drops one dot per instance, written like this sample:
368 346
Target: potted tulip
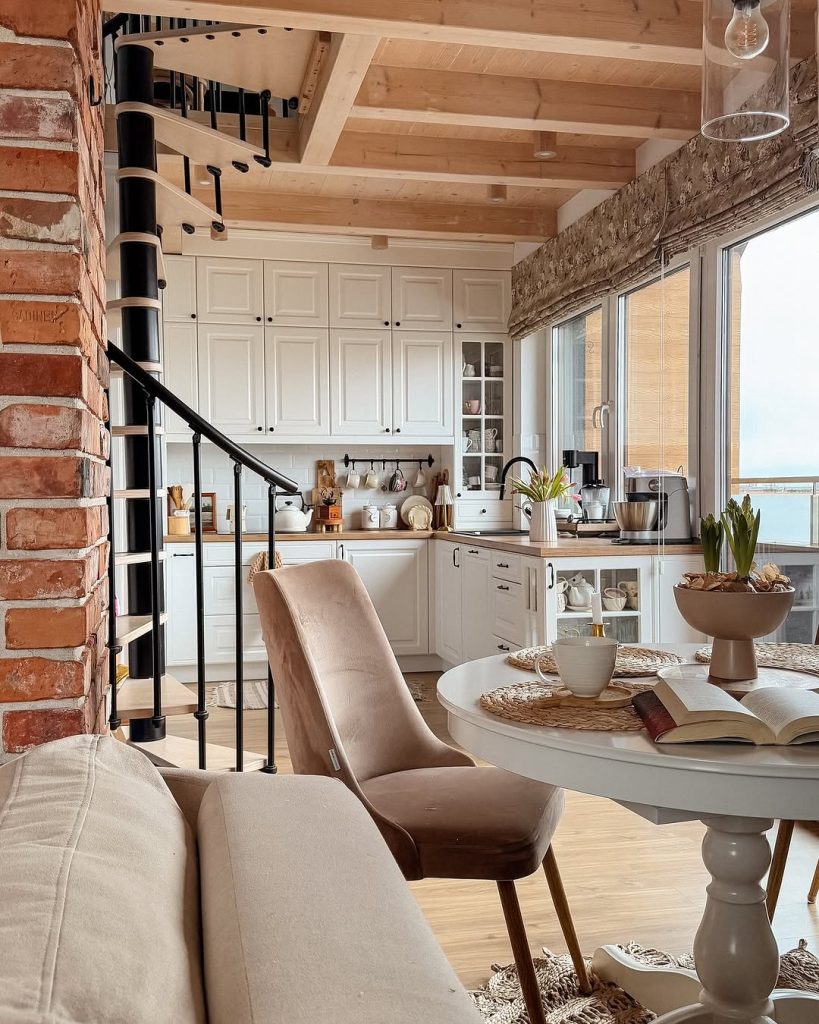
542 492
734 607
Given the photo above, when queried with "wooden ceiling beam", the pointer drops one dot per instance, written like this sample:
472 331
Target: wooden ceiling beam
390 217
496 101
669 31
340 77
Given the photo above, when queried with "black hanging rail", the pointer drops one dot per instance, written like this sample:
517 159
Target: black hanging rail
352 462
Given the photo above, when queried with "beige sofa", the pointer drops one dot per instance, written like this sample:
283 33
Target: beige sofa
130 896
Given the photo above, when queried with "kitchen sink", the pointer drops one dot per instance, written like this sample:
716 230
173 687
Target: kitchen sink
493 533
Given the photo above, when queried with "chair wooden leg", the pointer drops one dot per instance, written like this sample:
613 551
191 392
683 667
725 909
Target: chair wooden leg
814 885
777 869
520 950
564 916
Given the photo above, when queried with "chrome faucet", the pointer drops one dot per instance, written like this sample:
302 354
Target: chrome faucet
507 467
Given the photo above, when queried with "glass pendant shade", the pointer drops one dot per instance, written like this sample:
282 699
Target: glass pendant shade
745 95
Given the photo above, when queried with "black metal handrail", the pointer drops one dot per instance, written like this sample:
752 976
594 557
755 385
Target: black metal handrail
197 423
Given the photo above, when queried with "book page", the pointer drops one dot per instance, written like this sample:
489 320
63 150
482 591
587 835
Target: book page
787 713
694 700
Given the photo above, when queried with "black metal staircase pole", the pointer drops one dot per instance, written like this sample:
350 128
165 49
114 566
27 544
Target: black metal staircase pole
201 713
157 719
114 648
240 642
270 764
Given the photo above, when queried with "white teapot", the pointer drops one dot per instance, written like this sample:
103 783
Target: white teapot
290 519
580 592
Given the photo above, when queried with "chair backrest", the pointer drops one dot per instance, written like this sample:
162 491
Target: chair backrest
337 681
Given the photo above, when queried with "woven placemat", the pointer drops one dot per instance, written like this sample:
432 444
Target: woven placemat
795 657
522 702
633 662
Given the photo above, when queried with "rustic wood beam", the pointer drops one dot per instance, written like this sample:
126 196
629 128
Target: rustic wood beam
340 77
390 217
652 30
495 101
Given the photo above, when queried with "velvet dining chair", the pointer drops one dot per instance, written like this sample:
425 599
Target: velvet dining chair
348 714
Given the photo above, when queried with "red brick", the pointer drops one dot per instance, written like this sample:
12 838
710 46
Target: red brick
23 730
36 117
52 376
49 627
45 476
29 66
43 19
41 220
31 579
45 323
28 169
48 426
24 679
51 529
40 272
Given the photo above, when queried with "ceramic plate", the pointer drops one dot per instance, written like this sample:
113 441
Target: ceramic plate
697 673
415 499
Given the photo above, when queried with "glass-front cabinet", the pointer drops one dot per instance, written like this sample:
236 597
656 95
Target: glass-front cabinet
484 399
802 623
627 589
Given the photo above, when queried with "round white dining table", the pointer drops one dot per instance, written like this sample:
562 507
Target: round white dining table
736 790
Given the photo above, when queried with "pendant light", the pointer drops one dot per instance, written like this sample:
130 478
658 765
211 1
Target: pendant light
745 96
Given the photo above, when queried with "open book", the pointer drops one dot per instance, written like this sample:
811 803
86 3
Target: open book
688 710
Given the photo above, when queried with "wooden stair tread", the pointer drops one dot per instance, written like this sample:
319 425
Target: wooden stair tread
138 430
173 205
131 627
137 492
136 557
191 138
114 308
177 752
248 56
117 371
112 254
135 698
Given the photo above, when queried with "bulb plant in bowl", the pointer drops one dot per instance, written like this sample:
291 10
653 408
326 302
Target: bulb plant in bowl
735 607
542 492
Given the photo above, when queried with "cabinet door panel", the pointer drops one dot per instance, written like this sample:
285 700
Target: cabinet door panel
297 365
231 378
180 366
481 300
229 291
180 633
360 382
220 639
422 299
359 296
179 294
395 576
422 383
478 617
295 294
220 591
448 602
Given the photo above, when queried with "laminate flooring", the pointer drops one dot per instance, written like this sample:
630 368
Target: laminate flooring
624 878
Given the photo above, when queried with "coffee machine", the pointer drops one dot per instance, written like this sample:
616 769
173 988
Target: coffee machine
670 491
593 492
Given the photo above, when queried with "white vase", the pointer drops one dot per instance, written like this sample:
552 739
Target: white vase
543 525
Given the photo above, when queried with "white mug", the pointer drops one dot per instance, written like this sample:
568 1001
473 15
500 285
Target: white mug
585 664
489 445
353 479
371 480
491 474
474 482
420 480
469 369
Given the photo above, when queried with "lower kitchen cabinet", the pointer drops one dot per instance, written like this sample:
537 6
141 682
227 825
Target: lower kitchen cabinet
180 602
478 613
448 610
395 574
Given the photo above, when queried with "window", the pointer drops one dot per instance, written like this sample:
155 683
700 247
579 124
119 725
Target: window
655 347
579 391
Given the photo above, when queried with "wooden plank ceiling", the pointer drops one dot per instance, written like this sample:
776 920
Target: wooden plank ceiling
425 115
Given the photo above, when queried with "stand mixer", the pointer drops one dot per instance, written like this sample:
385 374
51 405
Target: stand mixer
669 491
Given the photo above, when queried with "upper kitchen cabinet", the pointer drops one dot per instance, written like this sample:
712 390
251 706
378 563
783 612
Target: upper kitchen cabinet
295 294
229 291
180 370
360 297
297 377
231 378
179 294
422 383
421 299
361 382
481 300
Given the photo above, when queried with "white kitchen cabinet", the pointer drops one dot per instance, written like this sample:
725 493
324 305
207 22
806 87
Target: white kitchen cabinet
297 552
634 624
229 291
179 294
476 607
361 382
220 591
509 609
295 294
180 366
448 619
422 383
180 602
481 300
395 575
421 299
360 296
231 378
669 626
297 380
220 643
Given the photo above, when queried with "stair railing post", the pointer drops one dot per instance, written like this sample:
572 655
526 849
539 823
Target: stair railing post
157 720
114 648
239 581
264 100
270 765
201 713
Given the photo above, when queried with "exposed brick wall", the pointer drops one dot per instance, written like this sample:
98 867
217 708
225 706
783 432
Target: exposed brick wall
53 375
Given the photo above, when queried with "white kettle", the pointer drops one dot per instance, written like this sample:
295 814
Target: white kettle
290 519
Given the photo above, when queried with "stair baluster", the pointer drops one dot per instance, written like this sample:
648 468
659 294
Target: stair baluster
242 125
157 719
114 649
270 766
183 109
264 100
212 104
239 581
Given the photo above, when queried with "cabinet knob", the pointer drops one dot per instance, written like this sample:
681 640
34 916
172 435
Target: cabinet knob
271 429
397 323
398 430
270 319
260 428
386 430
386 323
501 587
258 319
458 326
193 316
458 495
483 511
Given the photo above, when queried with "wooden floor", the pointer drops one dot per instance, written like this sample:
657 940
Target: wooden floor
625 878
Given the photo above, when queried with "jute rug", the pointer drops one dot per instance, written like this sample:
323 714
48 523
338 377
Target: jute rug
500 1000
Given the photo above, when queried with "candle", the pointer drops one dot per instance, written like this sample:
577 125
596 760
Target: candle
597 608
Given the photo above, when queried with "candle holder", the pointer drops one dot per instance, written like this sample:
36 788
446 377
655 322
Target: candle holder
598 629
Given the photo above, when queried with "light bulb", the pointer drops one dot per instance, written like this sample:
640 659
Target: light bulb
747 34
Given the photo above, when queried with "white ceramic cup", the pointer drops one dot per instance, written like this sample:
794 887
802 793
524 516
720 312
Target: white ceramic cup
585 664
491 473
353 479
469 369
489 445
420 480
371 480
474 482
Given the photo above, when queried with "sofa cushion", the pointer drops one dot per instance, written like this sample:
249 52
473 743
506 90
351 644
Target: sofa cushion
99 912
306 917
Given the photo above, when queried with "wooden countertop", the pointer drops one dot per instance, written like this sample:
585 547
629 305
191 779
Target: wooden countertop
283 538
568 547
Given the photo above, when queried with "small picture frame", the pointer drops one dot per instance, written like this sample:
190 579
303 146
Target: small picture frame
208 512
